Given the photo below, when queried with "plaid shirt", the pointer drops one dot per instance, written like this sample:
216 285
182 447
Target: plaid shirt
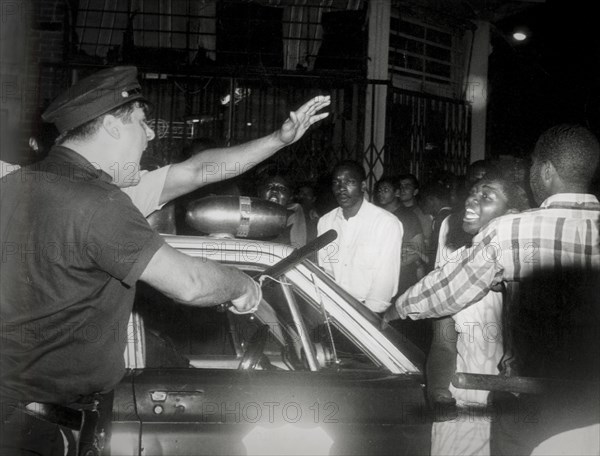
562 233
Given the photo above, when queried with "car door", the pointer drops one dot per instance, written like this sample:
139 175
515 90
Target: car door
290 379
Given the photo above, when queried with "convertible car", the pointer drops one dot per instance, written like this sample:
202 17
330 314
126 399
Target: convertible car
309 373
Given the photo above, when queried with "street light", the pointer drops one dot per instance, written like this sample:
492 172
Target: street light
519 35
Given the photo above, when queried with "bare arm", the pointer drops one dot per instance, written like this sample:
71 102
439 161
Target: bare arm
215 165
457 284
441 361
199 281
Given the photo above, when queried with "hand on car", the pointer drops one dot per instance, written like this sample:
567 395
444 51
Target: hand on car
390 314
443 405
248 302
301 119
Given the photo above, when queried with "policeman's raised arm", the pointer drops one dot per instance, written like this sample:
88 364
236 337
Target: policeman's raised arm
214 165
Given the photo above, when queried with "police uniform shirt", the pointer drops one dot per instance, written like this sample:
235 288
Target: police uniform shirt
73 247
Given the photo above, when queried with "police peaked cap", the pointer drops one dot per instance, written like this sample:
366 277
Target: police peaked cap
93 96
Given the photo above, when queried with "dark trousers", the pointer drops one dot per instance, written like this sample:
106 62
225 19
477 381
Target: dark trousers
519 424
515 427
22 434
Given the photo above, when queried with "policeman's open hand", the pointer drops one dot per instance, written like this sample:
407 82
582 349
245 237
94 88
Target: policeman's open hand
301 119
248 302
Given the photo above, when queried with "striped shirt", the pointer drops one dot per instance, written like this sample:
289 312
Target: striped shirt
562 233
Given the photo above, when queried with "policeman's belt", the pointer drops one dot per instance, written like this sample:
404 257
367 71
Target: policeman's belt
83 419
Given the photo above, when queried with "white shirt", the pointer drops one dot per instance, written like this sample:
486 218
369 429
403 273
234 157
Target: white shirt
441 256
479 344
7 168
479 329
365 257
479 350
146 194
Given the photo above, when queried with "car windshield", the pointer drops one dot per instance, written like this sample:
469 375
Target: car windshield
291 322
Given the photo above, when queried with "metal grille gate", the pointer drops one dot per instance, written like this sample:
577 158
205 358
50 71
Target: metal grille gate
427 134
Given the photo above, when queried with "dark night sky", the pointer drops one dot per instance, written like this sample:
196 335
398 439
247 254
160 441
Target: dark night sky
553 77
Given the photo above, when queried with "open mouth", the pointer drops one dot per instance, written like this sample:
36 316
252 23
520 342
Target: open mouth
470 215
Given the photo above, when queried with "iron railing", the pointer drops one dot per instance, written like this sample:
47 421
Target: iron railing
427 134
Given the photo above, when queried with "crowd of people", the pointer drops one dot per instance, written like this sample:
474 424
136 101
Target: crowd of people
396 248
495 273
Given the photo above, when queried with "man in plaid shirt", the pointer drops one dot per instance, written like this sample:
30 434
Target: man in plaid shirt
553 255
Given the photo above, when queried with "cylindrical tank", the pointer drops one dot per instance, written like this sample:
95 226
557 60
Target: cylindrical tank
163 220
240 216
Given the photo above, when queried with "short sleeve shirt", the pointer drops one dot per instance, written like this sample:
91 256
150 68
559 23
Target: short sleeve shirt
7 168
73 247
146 195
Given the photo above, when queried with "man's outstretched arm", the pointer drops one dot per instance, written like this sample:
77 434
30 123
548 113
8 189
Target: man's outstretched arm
214 165
455 285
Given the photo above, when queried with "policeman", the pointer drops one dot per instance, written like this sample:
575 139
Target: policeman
73 248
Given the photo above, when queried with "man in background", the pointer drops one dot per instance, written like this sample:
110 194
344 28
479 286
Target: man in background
409 191
365 258
276 188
